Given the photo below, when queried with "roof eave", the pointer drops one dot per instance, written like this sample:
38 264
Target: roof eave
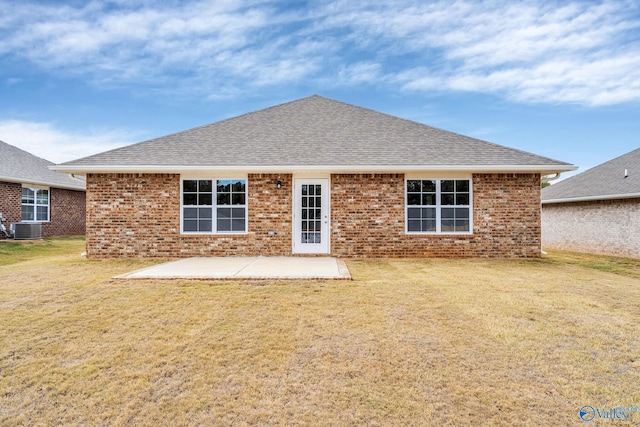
84 169
591 198
79 187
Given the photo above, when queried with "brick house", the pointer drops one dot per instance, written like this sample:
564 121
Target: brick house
30 192
314 176
596 211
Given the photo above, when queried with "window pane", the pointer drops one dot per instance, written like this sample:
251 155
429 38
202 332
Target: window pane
447 225
190 213
237 224
190 225
447 199
304 214
428 186
224 213
462 213
413 212
224 199
28 196
462 225
462 199
311 190
238 199
448 213
413 225
204 199
205 186
237 213
462 186
205 225
27 213
304 190
413 199
42 213
205 212
447 186
42 197
429 213
428 199
413 186
189 186
318 190
190 199
224 225
429 225
239 186
223 186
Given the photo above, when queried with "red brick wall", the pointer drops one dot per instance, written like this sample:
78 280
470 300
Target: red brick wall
368 219
67 209
139 215
67 213
10 203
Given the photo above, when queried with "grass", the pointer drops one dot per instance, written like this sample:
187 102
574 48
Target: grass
407 342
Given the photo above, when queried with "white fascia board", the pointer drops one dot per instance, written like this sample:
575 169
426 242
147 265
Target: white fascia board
591 198
542 169
42 183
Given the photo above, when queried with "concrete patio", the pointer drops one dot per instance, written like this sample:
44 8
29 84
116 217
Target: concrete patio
246 268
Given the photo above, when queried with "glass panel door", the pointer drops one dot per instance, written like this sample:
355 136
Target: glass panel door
311 216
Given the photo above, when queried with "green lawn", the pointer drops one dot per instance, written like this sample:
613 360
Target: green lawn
407 342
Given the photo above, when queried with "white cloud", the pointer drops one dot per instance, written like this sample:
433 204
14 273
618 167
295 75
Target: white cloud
46 141
532 51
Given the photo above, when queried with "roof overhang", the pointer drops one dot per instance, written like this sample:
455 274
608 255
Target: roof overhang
79 187
541 169
592 198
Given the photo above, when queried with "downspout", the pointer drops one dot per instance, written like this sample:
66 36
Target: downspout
547 179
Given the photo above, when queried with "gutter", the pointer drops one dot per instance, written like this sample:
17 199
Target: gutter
591 198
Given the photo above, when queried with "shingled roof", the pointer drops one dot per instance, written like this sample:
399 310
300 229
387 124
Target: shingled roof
315 133
605 181
19 166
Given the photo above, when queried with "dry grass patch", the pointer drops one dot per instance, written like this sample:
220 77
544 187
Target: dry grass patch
407 342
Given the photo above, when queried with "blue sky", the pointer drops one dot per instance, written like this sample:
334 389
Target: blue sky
560 79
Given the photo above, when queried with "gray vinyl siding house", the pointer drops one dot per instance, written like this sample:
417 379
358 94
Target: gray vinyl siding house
596 211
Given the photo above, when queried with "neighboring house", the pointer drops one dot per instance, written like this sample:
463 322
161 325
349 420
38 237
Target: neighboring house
30 192
314 176
597 210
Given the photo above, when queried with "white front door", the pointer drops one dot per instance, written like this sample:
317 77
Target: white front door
311 216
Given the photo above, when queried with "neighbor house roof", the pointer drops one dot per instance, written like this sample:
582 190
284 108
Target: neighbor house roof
605 181
314 134
17 165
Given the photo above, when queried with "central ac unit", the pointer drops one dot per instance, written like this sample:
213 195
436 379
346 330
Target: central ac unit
27 231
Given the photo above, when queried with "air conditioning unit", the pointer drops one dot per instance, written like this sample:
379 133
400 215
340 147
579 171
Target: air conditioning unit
27 230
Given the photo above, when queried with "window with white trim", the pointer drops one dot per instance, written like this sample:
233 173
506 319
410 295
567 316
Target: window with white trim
35 204
438 206
214 206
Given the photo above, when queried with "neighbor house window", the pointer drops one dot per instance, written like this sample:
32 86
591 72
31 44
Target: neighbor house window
214 206
438 206
35 204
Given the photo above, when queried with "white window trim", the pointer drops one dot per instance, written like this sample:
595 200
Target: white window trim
214 213
438 206
35 204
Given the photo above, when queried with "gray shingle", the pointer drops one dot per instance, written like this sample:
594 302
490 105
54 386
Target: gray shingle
17 165
602 181
314 131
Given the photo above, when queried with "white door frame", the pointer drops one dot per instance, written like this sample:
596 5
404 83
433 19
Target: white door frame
311 247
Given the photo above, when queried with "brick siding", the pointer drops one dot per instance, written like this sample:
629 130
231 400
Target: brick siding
67 209
67 213
610 227
10 203
138 215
